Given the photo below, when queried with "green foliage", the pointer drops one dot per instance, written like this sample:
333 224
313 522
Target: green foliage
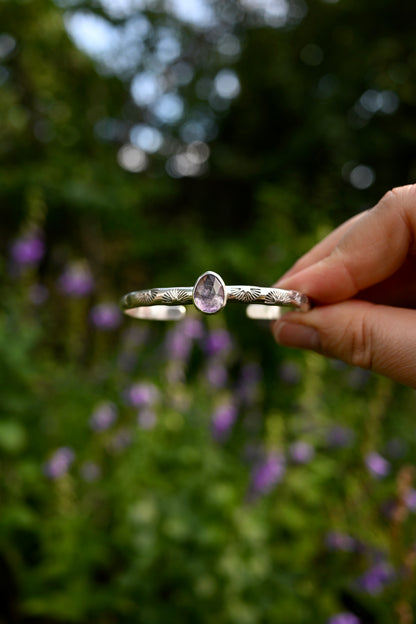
195 473
155 518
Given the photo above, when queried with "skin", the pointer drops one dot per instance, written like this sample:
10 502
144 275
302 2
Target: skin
362 278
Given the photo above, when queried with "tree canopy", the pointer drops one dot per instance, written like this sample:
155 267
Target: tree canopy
222 121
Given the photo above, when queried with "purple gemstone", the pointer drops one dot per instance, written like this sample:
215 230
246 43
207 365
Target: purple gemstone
209 293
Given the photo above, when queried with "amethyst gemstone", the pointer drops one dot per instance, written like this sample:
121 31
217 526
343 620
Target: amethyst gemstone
209 293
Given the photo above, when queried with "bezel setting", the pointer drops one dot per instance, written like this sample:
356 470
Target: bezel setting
209 293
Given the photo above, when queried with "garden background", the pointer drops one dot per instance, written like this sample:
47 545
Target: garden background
195 472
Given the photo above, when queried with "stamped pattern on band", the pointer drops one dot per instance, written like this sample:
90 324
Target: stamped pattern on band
146 297
175 295
274 297
247 295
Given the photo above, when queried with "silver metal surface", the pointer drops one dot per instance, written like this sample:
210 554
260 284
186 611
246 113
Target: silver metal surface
169 303
158 313
259 312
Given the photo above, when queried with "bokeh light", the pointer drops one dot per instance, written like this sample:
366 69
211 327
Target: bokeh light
147 138
362 177
132 158
227 84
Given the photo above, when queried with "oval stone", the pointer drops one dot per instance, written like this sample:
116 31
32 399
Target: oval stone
209 293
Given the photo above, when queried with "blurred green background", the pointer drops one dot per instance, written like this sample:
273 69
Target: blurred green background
195 472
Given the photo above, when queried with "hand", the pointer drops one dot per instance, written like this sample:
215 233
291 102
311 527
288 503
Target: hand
362 278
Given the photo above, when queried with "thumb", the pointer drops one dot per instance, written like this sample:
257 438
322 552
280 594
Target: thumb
376 337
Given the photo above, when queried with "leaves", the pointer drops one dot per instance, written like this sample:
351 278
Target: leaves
277 123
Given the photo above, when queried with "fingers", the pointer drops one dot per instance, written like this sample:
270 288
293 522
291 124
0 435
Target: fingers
321 249
369 251
380 338
398 290
373 255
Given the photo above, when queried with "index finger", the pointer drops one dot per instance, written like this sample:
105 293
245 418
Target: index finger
369 251
321 249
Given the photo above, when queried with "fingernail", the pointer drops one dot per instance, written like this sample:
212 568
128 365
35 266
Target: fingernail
294 335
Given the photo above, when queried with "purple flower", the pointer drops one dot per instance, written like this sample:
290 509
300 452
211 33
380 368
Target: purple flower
90 471
192 328
251 373
301 452
59 462
218 341
376 578
216 374
76 280
132 339
340 541
103 416
289 373
339 436
178 345
410 499
268 473
106 316
377 465
222 421
28 250
249 382
344 618
147 418
142 394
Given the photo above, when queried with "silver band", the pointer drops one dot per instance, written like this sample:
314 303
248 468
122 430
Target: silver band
209 295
